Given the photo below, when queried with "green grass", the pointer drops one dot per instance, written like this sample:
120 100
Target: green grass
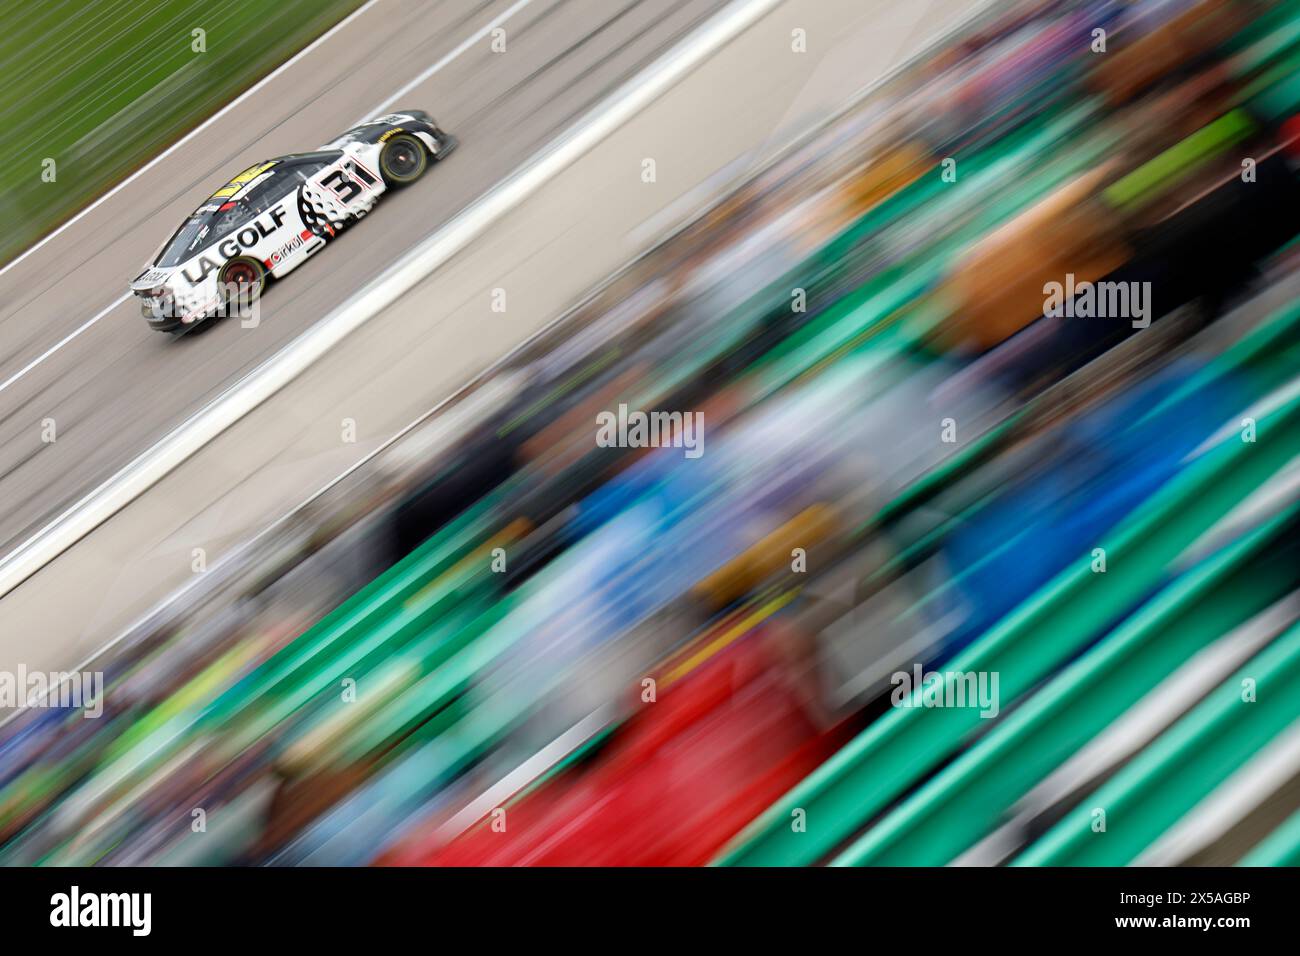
101 86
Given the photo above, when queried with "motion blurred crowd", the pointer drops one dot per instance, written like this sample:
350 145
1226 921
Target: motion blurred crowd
912 464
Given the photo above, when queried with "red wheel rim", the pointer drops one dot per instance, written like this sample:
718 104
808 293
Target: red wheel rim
241 274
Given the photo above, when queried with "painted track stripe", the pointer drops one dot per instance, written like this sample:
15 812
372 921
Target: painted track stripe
64 341
468 42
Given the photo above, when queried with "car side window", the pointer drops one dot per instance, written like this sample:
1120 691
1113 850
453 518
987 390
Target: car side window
299 173
269 193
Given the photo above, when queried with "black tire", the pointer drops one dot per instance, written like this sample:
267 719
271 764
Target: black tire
403 160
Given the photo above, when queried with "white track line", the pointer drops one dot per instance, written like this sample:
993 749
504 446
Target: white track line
63 341
198 129
240 398
377 111
383 107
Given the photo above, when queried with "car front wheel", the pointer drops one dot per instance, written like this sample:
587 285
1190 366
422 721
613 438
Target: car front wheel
403 160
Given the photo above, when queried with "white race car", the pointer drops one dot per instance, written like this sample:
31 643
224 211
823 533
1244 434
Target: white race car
271 217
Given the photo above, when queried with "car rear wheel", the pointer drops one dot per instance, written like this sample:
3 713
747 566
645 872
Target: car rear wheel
403 160
247 276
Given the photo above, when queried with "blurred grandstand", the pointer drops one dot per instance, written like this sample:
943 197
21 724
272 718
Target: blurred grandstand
502 643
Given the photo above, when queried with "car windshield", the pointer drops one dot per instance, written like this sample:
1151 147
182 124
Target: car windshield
244 198
201 230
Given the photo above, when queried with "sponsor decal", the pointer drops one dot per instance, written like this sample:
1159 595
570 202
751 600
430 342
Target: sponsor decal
284 251
232 245
206 266
233 187
362 173
315 221
339 183
251 185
